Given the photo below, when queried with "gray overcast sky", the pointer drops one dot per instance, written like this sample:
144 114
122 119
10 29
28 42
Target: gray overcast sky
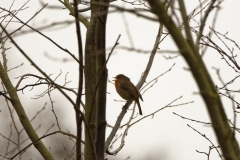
165 136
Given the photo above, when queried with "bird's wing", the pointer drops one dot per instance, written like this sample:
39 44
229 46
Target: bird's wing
132 90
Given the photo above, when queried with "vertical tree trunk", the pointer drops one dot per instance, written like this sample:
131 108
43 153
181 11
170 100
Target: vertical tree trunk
102 77
96 80
90 82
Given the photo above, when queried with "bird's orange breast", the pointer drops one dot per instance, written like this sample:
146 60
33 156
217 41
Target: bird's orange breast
117 81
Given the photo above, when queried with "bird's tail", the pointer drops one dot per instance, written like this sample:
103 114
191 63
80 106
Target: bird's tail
139 107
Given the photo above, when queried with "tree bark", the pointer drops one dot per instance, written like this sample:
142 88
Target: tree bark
90 83
102 78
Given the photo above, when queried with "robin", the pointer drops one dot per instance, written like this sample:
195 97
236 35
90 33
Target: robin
126 89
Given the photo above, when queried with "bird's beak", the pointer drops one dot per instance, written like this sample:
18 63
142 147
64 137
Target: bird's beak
114 79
